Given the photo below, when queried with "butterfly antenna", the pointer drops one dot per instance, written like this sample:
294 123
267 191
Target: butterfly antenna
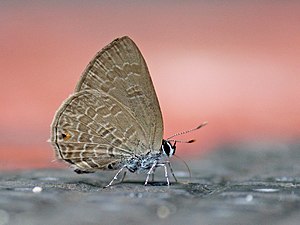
186 165
182 141
187 131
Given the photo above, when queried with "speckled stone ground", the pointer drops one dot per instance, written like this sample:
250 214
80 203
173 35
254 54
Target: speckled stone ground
237 185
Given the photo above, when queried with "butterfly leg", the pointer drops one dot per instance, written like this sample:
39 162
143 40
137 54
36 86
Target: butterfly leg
172 172
152 176
151 171
115 177
166 172
124 175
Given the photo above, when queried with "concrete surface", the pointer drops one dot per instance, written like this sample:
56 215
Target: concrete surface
236 185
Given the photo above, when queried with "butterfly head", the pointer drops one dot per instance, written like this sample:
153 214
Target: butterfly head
167 148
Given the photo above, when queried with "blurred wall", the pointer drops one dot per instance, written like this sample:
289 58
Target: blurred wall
234 64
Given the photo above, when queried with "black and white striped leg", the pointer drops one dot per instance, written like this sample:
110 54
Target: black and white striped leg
123 177
166 172
151 171
172 172
115 177
152 177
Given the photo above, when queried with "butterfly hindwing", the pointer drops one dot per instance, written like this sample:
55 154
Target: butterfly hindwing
87 125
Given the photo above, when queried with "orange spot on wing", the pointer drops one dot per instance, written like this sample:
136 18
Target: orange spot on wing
66 136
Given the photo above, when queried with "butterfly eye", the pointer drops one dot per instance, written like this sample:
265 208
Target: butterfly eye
167 148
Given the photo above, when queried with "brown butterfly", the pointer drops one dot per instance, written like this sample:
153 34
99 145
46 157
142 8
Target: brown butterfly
113 120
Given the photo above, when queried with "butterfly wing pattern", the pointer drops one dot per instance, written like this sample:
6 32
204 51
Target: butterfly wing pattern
120 71
113 119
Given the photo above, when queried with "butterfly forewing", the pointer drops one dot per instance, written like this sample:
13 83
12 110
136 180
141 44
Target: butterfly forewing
120 71
113 114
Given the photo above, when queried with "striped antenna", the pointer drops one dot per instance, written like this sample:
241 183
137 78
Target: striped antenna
187 131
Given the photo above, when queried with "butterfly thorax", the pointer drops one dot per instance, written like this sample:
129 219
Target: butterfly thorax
142 163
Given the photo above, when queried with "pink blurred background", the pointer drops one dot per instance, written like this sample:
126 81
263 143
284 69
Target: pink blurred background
235 64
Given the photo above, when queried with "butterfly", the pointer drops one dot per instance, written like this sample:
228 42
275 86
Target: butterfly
113 120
